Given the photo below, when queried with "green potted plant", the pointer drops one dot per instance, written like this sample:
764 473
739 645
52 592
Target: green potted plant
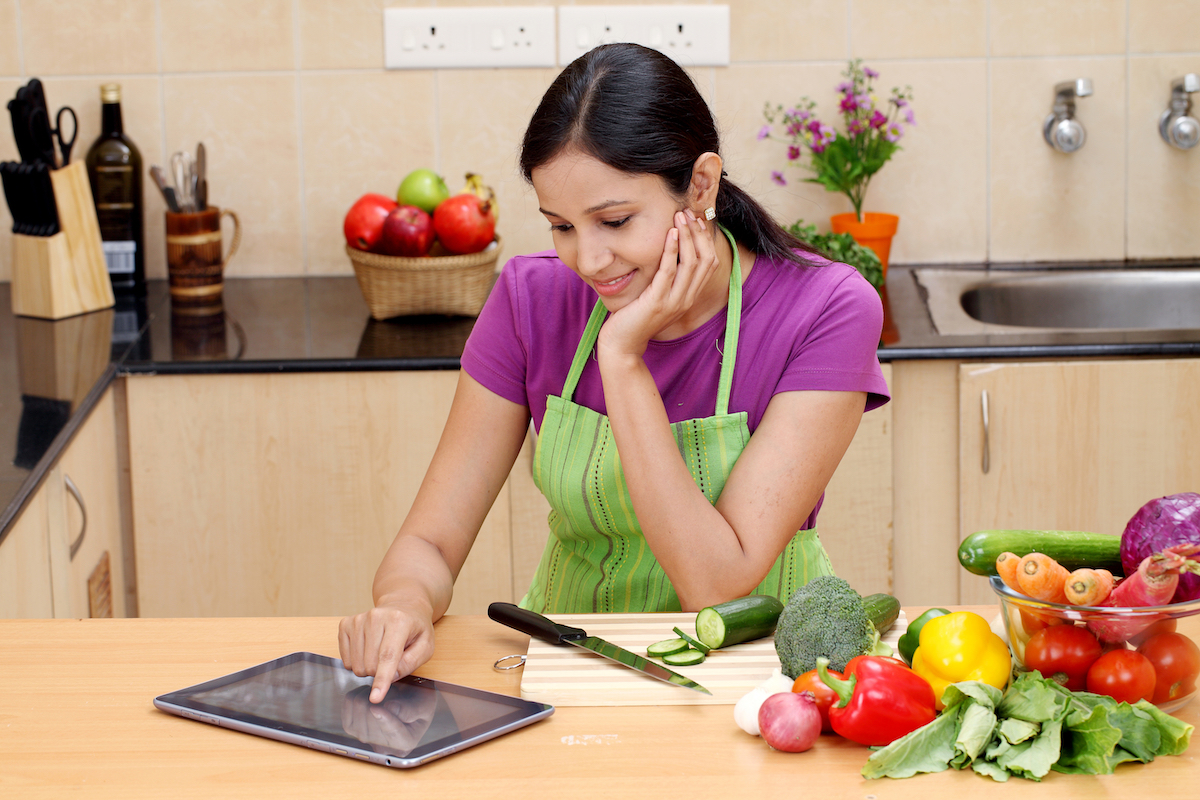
845 161
842 247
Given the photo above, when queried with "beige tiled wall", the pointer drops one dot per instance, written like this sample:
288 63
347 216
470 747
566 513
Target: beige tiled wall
300 118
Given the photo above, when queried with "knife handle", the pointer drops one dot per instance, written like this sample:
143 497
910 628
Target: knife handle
534 624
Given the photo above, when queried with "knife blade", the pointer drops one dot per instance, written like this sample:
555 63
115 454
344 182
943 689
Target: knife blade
547 630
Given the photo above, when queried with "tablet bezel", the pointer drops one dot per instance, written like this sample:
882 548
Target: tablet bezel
183 703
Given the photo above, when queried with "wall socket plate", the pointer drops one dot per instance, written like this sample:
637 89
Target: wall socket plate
487 36
693 35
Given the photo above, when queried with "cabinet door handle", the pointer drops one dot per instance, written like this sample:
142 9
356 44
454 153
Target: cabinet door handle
983 397
74 490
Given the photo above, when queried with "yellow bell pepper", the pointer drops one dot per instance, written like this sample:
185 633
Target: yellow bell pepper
961 647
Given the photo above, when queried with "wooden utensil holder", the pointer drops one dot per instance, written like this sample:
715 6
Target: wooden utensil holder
65 274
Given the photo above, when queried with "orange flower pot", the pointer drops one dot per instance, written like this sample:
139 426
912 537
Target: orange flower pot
875 231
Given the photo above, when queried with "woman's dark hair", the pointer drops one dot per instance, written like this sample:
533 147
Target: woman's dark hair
637 111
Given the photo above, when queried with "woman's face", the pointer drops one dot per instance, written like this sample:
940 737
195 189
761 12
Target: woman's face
608 226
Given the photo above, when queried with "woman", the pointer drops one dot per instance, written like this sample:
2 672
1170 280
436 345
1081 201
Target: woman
675 324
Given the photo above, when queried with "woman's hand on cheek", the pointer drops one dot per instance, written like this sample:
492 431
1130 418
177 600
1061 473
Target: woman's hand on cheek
688 262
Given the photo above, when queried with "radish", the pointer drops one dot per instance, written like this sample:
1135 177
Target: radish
790 721
1153 584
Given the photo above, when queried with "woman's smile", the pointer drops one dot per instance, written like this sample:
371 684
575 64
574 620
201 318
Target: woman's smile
615 286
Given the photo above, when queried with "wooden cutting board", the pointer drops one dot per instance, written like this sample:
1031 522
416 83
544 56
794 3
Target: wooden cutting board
571 676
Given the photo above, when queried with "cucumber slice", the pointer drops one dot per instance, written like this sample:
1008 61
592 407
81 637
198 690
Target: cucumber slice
666 647
686 658
693 643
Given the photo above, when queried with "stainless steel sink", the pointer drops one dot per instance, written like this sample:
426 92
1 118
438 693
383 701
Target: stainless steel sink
1019 301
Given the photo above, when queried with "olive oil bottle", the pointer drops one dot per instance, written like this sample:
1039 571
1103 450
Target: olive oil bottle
114 168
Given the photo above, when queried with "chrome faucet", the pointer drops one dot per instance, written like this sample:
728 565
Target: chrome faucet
1176 126
1061 130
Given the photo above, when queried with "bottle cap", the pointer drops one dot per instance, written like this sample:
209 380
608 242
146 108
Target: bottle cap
110 93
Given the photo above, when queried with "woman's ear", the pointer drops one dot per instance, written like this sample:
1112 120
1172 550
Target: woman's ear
706 180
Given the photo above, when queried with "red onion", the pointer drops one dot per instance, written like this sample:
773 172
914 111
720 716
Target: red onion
790 721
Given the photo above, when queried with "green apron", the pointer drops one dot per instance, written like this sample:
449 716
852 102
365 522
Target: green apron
596 558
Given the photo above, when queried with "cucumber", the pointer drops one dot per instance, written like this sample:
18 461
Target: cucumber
883 610
685 658
666 647
692 643
737 621
1072 549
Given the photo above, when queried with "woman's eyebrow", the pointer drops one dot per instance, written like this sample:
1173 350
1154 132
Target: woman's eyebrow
589 211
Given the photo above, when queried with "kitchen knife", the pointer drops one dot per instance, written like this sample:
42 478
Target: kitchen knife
547 630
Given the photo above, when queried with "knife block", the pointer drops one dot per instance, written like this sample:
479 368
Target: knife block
65 274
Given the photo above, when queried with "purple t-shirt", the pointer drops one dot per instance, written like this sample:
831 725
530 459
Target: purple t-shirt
803 328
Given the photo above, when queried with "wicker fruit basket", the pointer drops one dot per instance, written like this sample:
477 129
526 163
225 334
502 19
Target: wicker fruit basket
434 284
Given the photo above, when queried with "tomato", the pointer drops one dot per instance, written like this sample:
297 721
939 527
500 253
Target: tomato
1176 661
1162 626
823 695
1124 675
1063 653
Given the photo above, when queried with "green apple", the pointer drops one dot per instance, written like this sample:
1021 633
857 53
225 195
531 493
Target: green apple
422 188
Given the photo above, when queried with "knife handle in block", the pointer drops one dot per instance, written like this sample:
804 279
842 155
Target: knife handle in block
534 624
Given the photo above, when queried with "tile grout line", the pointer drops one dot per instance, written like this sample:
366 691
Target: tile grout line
297 77
987 134
20 40
1128 112
162 88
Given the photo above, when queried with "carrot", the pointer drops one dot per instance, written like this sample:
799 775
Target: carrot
1088 587
1042 578
1006 568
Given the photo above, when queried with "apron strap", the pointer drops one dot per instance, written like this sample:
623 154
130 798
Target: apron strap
732 324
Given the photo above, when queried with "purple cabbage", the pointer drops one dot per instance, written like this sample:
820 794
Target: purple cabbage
1161 523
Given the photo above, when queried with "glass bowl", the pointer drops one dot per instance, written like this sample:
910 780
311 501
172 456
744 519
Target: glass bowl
1114 627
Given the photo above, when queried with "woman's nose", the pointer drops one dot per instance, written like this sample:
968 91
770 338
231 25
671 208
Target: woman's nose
592 255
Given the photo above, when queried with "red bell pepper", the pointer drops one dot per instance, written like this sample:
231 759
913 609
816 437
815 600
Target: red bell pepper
879 700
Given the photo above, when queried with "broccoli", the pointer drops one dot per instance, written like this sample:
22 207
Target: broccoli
825 617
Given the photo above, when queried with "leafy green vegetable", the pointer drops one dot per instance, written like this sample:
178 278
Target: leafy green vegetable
842 247
1034 727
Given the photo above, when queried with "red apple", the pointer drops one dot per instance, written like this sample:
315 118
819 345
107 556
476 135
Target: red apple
363 225
407 231
466 223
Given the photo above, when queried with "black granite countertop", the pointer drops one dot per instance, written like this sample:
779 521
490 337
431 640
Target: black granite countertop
51 373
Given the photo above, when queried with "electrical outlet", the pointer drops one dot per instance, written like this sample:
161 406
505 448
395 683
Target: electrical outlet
491 36
693 35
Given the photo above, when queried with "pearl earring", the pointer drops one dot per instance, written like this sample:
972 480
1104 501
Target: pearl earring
710 213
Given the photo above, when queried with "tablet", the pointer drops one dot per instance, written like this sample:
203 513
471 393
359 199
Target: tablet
314 701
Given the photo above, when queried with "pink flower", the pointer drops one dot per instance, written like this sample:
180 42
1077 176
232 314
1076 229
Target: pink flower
848 103
870 73
878 119
909 117
828 134
845 86
764 132
893 132
795 129
855 127
818 148
793 153
777 176
815 127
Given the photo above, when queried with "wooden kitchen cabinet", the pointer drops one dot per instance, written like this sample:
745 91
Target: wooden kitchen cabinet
76 508
1074 445
277 494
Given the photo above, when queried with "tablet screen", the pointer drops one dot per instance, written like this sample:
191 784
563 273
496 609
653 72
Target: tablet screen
314 701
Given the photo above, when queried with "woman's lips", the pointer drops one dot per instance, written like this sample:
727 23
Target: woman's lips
613 287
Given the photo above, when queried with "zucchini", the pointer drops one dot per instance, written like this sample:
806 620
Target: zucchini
685 658
1072 549
737 621
883 610
666 647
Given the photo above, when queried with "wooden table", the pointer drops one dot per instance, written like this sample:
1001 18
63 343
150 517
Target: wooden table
76 719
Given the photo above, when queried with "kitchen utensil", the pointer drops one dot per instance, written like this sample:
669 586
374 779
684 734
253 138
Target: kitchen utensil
183 171
195 263
18 109
38 116
201 177
30 198
535 624
39 125
168 193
